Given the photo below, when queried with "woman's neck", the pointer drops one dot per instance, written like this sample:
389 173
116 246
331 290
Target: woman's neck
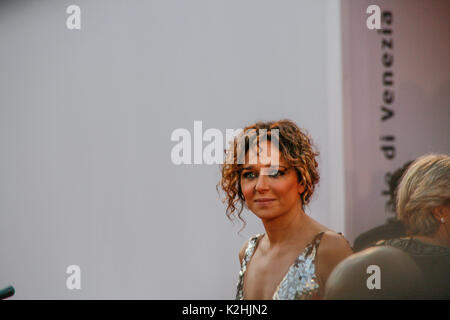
436 239
286 228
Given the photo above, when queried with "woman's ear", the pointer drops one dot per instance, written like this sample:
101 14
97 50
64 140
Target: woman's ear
300 187
301 182
441 213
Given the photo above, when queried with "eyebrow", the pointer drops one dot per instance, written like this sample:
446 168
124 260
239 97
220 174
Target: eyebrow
267 166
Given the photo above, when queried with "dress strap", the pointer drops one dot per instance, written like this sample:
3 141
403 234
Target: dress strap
318 237
314 243
251 246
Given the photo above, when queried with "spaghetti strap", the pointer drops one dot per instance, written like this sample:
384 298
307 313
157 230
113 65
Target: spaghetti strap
318 237
251 246
315 243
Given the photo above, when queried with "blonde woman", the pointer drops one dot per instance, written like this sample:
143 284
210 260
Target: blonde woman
423 204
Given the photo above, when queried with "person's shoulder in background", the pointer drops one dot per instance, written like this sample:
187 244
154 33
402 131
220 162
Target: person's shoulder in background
390 230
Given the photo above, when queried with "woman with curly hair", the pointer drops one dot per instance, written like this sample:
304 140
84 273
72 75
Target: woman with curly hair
271 169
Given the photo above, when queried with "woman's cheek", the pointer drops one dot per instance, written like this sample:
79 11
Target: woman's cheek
245 193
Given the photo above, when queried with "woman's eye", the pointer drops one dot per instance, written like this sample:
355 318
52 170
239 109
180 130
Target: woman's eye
249 175
271 173
276 173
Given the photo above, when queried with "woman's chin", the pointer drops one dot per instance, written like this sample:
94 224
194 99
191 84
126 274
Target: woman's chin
266 213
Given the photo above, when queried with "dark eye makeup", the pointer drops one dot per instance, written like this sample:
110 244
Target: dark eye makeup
273 173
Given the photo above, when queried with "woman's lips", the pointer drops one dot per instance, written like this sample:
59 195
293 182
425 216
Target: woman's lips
264 201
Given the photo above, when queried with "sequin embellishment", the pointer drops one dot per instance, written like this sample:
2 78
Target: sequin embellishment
299 283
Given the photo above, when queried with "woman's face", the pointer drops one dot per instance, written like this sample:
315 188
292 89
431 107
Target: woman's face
270 191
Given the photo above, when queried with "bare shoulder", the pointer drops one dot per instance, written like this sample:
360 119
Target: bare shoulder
333 249
333 243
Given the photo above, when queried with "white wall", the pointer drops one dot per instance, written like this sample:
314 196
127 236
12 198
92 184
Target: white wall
85 124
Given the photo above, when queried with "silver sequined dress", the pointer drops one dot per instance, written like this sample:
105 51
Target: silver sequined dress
299 283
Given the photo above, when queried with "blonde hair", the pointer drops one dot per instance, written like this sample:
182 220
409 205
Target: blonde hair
424 186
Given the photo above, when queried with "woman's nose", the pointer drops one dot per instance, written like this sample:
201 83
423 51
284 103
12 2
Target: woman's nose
262 183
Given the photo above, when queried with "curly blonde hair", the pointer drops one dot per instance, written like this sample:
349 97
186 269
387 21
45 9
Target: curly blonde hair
294 145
